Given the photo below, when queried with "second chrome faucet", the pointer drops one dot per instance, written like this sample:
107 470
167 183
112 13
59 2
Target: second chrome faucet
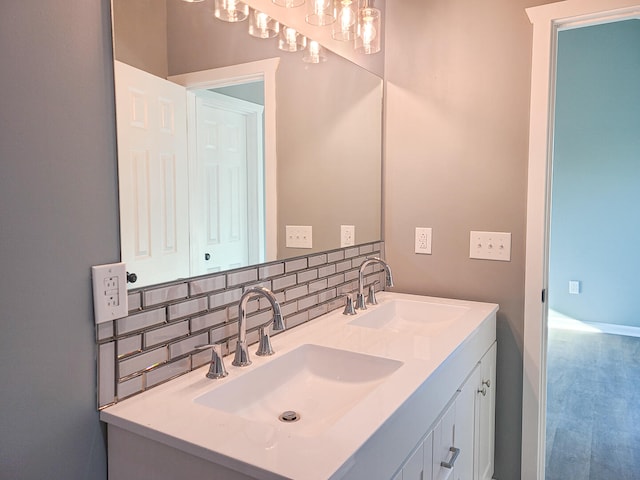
360 300
241 358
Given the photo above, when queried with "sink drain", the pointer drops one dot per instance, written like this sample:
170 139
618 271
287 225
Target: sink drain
289 416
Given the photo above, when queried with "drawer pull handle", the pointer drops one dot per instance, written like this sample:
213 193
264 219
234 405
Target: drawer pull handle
454 457
487 383
483 391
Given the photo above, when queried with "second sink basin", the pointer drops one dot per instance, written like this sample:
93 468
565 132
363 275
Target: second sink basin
320 384
410 317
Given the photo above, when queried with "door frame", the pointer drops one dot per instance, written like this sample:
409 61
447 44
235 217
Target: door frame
547 20
264 70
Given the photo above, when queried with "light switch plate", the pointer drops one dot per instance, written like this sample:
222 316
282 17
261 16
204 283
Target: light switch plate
109 291
490 246
299 236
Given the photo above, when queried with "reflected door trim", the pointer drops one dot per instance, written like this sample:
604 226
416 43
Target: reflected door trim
264 70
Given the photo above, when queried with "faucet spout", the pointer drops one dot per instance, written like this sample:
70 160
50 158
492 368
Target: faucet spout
360 301
241 358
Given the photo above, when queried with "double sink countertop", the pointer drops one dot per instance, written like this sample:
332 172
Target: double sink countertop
344 375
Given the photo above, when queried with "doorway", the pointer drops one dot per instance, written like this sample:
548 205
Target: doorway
594 231
547 20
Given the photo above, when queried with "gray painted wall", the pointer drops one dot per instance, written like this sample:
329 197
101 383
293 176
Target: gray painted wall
457 125
595 226
58 216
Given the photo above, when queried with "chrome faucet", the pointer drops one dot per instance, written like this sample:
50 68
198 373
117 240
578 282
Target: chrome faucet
360 301
241 358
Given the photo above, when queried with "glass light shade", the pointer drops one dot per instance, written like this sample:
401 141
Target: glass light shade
230 10
288 3
314 53
290 40
320 12
368 31
344 28
262 25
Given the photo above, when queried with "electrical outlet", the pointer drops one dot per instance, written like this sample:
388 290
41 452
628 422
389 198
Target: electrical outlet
423 240
109 291
347 235
574 287
490 246
299 236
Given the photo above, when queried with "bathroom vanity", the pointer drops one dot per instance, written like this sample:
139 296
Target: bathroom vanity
402 390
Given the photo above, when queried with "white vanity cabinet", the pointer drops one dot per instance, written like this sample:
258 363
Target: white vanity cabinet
463 435
485 417
436 406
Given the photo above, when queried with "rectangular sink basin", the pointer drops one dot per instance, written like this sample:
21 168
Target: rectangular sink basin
320 384
410 317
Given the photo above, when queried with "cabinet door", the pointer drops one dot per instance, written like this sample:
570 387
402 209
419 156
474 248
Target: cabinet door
486 416
418 467
444 445
466 428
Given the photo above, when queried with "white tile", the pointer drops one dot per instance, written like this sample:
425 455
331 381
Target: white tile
225 298
295 265
295 292
243 276
208 320
269 271
166 334
104 330
129 345
326 271
206 285
141 320
130 387
168 371
283 282
165 294
142 362
335 256
107 374
317 260
319 285
191 307
187 345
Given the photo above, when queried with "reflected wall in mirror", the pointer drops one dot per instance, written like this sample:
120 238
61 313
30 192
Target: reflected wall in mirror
325 142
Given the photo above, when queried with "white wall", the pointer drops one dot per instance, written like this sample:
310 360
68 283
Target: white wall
458 74
57 218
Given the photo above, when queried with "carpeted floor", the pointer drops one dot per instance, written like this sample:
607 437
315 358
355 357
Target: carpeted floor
593 406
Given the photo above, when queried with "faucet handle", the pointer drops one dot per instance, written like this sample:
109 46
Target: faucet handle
349 308
216 369
371 298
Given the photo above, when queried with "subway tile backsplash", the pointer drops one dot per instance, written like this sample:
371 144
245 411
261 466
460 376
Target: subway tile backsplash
157 341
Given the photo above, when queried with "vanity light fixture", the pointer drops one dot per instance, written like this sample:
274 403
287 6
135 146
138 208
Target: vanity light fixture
320 12
262 25
368 31
230 10
290 40
314 53
288 3
344 28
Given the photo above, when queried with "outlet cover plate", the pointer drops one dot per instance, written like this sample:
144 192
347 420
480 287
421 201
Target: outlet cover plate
490 246
347 235
110 299
423 240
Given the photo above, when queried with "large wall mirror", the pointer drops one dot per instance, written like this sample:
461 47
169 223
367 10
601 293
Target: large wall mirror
224 140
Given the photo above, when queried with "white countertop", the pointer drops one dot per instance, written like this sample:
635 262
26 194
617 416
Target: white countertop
168 413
